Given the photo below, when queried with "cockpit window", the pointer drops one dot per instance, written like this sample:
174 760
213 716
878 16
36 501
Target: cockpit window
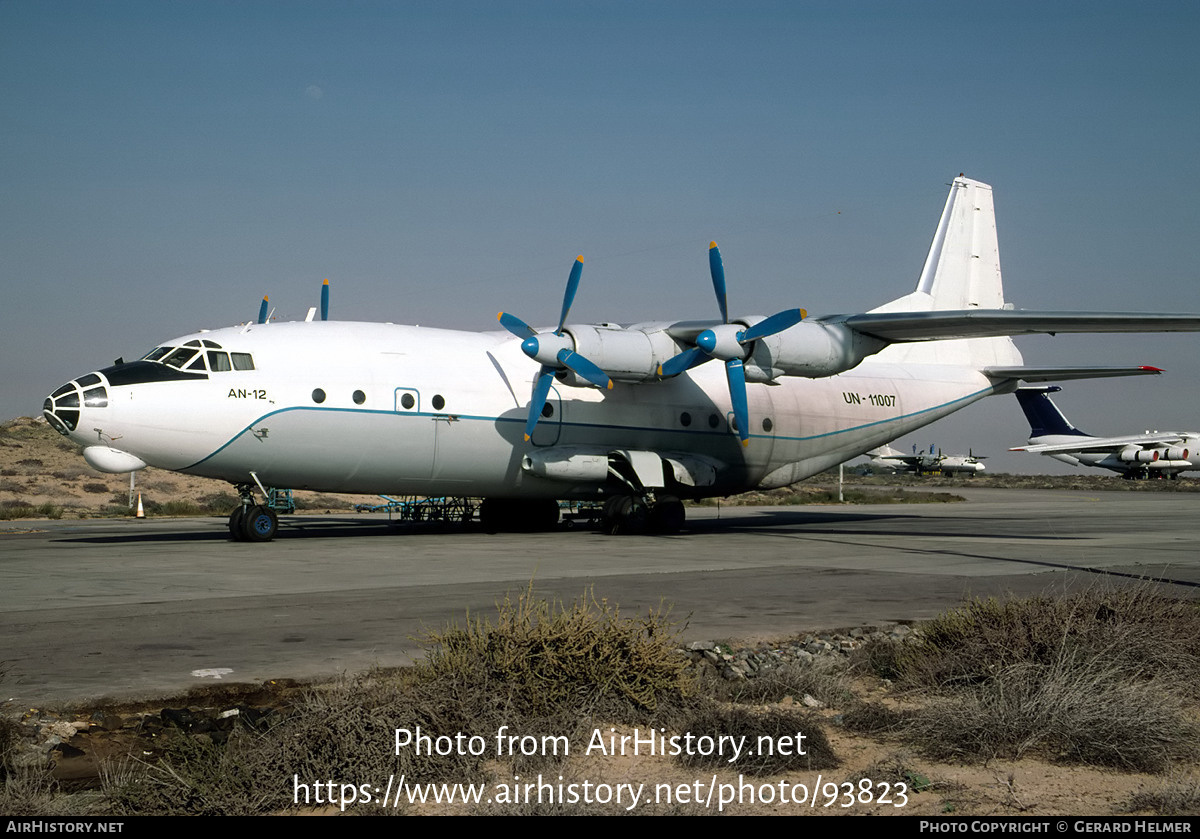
179 357
187 357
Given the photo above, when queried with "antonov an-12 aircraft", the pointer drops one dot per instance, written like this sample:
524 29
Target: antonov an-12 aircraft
926 463
637 416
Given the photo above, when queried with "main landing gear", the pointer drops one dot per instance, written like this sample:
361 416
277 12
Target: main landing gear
251 522
634 514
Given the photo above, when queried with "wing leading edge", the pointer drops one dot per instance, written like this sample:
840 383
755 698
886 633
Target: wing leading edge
898 327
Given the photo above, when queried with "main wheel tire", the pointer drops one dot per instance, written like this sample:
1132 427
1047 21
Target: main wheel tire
630 515
260 524
667 517
236 520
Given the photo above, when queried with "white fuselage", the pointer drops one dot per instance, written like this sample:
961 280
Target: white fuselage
381 408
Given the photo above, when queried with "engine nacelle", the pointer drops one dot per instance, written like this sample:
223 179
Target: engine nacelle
567 463
1169 465
1133 454
626 355
1174 453
809 349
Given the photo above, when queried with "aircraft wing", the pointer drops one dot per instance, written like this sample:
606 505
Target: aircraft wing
980 323
1099 444
1062 374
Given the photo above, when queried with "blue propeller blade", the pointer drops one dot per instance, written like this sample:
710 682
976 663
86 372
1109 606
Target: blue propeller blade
775 323
717 268
262 311
686 360
569 296
325 300
538 400
736 375
583 367
515 325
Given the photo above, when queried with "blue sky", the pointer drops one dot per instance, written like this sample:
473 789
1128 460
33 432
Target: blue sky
165 164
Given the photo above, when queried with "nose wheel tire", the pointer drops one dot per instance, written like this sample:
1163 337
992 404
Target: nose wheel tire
253 524
236 518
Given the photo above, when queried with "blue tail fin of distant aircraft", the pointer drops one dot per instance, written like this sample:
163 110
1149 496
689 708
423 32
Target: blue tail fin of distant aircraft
1044 416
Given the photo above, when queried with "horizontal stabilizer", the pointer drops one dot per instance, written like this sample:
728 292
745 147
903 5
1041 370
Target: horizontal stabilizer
980 323
1062 374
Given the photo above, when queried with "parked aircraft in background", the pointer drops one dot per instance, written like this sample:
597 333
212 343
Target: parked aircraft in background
926 463
1152 454
631 415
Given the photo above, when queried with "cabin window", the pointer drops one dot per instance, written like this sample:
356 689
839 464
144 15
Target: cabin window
359 397
242 361
713 420
685 419
318 396
547 410
439 403
767 424
407 401
218 362
156 353
198 364
89 380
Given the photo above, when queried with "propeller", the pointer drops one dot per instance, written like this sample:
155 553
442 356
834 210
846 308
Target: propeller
262 310
730 343
325 300
554 350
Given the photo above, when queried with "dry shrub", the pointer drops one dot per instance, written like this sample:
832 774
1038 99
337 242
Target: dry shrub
1135 627
1076 708
538 658
824 679
876 718
1177 797
539 668
765 756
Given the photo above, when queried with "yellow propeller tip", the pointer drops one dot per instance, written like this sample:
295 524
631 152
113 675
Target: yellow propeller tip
610 384
499 315
711 245
526 438
326 281
579 258
745 444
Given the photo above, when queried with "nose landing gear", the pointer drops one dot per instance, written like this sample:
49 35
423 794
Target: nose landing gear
252 522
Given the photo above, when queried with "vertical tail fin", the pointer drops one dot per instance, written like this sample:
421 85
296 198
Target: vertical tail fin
1045 419
962 270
